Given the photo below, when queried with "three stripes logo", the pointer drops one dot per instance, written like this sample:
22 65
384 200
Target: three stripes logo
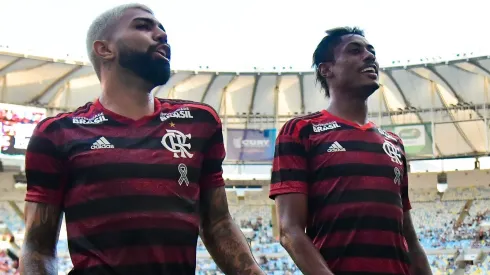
335 147
101 143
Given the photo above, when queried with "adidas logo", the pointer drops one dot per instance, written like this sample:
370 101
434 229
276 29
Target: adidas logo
335 147
101 143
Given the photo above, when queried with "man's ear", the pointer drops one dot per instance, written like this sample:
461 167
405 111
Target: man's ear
325 69
104 50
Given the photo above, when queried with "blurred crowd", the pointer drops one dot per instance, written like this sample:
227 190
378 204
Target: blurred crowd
439 224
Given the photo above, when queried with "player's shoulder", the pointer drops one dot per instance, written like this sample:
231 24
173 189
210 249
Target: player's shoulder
389 135
299 124
203 109
60 120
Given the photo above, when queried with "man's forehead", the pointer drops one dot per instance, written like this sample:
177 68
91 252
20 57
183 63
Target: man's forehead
132 14
354 39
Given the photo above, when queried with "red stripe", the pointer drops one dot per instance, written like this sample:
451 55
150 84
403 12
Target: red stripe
373 265
288 162
129 221
136 255
140 156
212 181
128 187
42 195
358 209
287 187
217 151
42 163
375 237
354 183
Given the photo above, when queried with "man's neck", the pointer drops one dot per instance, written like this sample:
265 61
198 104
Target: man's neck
127 96
349 108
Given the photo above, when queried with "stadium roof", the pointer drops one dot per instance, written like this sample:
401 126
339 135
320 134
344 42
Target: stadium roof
452 93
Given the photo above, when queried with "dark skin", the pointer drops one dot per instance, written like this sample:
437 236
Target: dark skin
225 242
292 210
349 90
43 223
222 237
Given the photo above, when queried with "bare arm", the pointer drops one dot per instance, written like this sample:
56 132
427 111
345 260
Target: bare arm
222 237
292 212
43 222
419 263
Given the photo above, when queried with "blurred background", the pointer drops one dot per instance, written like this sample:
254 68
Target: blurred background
251 61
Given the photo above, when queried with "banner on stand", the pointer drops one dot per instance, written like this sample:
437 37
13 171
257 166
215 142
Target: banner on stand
417 138
250 145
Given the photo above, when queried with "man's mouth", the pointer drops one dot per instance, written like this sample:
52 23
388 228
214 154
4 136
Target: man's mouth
370 70
161 51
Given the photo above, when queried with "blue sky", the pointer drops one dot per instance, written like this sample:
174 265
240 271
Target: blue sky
240 35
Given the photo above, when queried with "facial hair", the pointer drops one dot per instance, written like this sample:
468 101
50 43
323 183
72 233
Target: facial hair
143 64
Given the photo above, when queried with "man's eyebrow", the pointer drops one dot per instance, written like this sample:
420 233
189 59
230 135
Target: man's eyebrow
150 21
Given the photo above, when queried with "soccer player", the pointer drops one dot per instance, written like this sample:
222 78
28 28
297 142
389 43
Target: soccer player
342 178
137 177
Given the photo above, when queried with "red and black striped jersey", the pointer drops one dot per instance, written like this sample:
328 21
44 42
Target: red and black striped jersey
355 178
129 188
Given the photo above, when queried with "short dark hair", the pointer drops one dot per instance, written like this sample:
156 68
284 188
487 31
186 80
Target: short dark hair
324 52
101 29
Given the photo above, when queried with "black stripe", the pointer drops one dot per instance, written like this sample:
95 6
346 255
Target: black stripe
289 149
288 175
114 171
285 128
52 181
136 237
148 142
355 223
212 166
353 169
130 204
350 147
355 196
42 145
153 269
365 251
292 128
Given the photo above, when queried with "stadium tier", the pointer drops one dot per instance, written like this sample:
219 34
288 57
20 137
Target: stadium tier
439 109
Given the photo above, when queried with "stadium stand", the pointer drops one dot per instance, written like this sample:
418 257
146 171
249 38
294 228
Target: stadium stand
447 99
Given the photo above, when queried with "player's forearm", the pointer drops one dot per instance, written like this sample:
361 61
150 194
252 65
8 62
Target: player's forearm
419 263
36 263
304 253
229 248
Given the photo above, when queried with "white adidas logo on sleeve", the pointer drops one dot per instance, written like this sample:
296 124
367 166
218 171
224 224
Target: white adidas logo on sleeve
335 147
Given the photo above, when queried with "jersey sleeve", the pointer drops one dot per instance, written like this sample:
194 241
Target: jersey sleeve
290 165
44 166
214 155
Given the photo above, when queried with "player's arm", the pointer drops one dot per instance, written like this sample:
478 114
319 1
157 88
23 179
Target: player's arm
418 258
289 188
45 177
43 222
219 233
222 237
292 213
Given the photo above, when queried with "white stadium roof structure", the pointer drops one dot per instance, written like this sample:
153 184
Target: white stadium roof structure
453 94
